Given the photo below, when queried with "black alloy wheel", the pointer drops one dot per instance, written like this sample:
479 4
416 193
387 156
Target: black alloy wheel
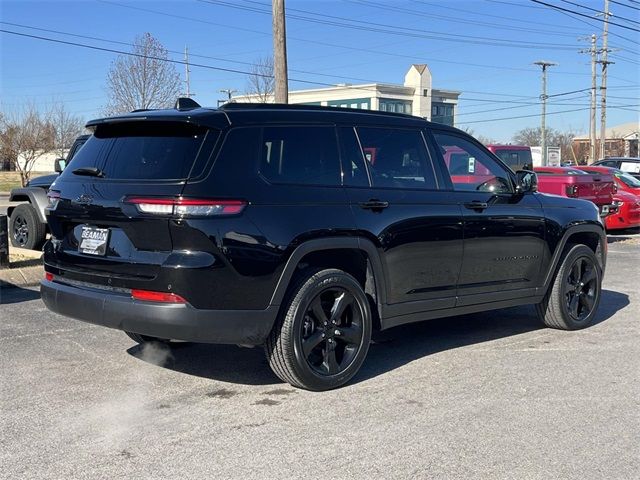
332 331
323 331
25 228
20 231
572 300
581 289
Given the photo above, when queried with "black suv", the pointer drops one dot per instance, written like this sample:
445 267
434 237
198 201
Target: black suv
305 229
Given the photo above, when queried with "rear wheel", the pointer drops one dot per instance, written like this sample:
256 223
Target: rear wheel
573 299
322 336
26 230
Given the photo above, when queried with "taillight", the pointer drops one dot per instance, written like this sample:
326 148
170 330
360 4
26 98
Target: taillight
54 197
162 297
48 276
615 188
572 190
186 206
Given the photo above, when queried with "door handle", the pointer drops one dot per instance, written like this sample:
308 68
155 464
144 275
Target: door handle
374 204
476 205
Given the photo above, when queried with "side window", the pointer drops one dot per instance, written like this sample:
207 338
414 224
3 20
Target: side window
397 158
354 170
300 155
470 168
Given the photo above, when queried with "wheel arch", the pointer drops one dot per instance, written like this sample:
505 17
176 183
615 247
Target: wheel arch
592 236
36 197
337 252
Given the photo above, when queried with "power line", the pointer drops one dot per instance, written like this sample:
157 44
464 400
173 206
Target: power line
556 7
457 20
178 62
622 107
344 47
599 12
625 5
393 30
502 17
635 42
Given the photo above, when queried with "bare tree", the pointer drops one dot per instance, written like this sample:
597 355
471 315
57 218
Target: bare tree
481 138
67 127
554 138
261 82
144 79
24 137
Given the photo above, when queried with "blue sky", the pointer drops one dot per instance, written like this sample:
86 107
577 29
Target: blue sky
483 48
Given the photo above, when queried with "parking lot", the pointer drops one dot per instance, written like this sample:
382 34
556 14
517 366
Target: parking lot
488 395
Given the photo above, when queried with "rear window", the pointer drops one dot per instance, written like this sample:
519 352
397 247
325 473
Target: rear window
300 155
516 159
143 150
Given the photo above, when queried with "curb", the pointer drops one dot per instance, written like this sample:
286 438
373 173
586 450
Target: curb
21 277
23 252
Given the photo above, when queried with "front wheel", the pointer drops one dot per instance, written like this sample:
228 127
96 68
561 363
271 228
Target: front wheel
25 228
322 336
572 301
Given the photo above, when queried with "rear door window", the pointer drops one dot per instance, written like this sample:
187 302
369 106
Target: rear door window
396 158
142 150
300 155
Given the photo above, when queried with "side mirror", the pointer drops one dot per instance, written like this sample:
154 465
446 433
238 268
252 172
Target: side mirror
526 181
59 164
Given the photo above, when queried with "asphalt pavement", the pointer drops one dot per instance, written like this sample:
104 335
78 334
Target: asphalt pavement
489 395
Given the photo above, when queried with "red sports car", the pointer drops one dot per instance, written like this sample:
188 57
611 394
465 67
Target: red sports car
628 214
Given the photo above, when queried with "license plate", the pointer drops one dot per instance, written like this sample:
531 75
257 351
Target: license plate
94 241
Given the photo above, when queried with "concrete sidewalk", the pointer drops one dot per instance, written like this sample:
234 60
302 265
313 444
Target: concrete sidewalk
25 269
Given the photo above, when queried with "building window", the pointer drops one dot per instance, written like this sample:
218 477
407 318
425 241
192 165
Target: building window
394 105
364 103
442 113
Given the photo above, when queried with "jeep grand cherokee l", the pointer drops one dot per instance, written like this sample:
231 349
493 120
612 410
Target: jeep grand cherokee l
304 229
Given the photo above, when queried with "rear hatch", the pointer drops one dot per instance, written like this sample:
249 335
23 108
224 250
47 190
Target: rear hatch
97 206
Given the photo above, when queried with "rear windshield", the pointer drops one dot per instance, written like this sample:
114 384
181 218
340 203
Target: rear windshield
142 150
516 159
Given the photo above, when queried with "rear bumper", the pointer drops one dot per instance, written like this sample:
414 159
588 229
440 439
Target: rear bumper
168 321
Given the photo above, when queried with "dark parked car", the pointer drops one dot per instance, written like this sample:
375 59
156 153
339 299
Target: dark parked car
305 229
27 223
628 165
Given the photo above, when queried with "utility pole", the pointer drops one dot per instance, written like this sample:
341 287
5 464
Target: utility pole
229 93
187 71
603 80
593 50
543 98
280 52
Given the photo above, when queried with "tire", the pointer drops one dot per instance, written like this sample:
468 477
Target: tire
323 331
572 300
25 228
142 339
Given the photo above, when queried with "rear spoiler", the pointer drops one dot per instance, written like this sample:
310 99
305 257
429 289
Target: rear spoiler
202 117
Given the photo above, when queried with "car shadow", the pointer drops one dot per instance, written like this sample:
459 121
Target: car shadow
617 236
13 294
392 349
410 342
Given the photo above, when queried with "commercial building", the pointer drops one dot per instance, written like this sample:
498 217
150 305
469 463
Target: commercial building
416 97
620 141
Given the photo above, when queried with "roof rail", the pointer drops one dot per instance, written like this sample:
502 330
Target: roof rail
186 103
301 106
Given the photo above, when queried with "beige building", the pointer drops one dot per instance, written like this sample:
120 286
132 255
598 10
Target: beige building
416 97
621 141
